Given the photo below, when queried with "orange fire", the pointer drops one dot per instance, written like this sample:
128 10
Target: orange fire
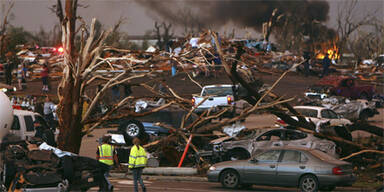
332 53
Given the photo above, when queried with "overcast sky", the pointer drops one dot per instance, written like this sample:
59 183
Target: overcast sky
33 14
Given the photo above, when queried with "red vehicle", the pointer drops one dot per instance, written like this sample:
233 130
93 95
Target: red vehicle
348 88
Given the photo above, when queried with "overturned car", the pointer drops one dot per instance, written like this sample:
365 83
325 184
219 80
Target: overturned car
36 166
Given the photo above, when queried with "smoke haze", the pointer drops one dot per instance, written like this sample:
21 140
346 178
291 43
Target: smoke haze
244 13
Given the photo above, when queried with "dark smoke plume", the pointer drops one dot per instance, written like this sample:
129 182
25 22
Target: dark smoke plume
245 13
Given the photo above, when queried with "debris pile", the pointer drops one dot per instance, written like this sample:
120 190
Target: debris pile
39 165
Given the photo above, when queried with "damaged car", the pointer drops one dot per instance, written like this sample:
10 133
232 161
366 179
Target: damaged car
318 116
36 166
359 109
246 144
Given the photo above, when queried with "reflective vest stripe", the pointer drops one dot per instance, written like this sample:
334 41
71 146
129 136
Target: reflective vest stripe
106 154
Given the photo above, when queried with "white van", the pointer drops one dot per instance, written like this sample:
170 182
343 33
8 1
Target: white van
23 123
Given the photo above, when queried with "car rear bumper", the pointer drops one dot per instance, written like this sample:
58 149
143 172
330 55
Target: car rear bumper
336 180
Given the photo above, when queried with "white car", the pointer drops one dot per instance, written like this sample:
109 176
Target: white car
319 115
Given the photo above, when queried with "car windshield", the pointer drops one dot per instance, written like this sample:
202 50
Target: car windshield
307 112
321 155
218 91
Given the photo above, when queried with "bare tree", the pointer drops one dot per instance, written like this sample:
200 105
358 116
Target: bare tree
348 23
81 73
163 34
4 25
189 21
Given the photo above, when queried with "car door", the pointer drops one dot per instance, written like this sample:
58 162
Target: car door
292 164
295 138
263 169
271 138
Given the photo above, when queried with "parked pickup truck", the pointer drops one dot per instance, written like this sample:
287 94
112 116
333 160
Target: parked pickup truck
348 88
219 97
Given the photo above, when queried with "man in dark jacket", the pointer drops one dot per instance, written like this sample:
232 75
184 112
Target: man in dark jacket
45 133
326 64
306 56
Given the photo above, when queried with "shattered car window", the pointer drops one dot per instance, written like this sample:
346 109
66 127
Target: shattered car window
293 135
307 112
218 91
291 156
270 136
328 114
269 156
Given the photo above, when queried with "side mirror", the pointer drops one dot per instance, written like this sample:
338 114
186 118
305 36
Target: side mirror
253 160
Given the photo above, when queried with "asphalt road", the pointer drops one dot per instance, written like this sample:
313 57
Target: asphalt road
184 186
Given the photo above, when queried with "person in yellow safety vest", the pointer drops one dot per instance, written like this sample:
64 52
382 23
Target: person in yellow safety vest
137 162
106 154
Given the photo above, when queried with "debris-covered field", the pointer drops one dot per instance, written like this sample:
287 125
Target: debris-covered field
201 114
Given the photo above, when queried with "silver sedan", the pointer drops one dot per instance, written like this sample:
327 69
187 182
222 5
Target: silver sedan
308 169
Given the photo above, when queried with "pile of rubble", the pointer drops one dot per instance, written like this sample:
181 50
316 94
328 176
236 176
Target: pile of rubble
37 165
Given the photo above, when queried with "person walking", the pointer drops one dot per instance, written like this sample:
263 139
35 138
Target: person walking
137 162
307 57
326 64
106 154
48 112
44 133
44 77
21 75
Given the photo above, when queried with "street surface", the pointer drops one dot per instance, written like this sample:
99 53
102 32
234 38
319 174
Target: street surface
185 186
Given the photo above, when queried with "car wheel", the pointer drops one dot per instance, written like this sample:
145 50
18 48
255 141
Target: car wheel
328 188
308 183
133 128
230 179
234 155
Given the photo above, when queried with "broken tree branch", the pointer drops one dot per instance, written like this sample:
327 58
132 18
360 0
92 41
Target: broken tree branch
360 152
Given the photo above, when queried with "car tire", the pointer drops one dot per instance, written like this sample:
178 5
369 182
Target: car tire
230 179
309 183
328 188
238 154
133 128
